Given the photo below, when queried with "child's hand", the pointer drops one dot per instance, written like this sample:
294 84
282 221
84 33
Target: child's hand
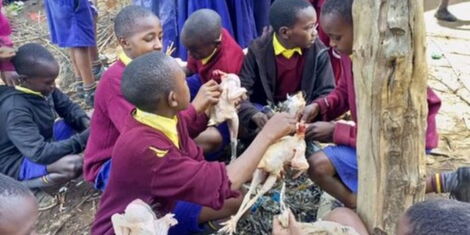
310 112
6 53
260 119
321 131
10 78
207 95
280 125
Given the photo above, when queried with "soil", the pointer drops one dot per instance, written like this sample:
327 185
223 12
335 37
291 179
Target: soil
449 76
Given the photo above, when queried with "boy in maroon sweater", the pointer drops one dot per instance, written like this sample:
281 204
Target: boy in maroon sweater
156 160
336 20
139 32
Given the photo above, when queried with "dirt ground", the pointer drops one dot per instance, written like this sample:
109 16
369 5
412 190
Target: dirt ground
449 76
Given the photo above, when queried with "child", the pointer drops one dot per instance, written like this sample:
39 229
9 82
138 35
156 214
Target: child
34 148
443 217
336 20
139 32
18 208
71 25
210 48
7 71
155 159
287 61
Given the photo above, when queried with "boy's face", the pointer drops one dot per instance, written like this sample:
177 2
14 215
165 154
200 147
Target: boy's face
22 216
340 32
200 50
304 31
182 95
44 79
147 38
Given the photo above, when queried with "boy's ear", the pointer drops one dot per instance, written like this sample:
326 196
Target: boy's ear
172 100
124 43
284 32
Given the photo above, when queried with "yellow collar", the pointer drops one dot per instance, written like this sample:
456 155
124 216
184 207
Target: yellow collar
168 126
280 49
124 58
206 60
28 91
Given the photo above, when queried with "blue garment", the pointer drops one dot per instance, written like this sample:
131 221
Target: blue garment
344 160
261 14
243 19
103 176
30 170
71 23
187 215
194 83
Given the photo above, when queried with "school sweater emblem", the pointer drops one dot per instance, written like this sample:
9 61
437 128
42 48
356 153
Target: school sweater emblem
159 152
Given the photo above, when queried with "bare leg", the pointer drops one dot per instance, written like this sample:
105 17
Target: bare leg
81 56
347 217
231 225
75 69
443 13
322 172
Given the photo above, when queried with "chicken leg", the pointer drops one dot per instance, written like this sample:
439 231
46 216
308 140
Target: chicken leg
230 226
233 129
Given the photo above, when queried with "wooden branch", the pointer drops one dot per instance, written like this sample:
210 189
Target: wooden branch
389 63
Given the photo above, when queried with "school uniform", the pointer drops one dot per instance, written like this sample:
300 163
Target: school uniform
30 137
270 71
107 122
343 99
71 23
156 160
5 41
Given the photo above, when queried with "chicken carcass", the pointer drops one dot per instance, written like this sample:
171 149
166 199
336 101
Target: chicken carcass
139 219
225 110
287 150
294 104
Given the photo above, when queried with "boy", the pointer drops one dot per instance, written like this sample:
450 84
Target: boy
287 61
71 25
440 217
34 148
164 167
336 18
18 208
210 48
139 32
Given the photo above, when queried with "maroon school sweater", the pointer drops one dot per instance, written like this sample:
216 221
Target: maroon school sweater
181 174
343 99
289 75
228 58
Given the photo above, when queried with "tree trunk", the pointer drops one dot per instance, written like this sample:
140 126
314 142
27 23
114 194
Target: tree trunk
390 70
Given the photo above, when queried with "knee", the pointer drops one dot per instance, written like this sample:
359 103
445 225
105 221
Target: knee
320 166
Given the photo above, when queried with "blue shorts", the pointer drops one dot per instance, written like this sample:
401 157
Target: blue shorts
30 170
186 213
194 83
344 160
71 23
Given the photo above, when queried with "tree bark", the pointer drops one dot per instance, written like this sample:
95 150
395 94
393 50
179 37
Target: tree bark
390 70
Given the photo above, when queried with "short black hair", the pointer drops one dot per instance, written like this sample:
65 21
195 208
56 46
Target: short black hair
147 79
126 20
342 8
29 56
203 25
10 188
284 12
441 217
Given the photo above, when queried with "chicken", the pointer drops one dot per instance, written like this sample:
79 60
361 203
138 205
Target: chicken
139 219
225 109
294 104
288 149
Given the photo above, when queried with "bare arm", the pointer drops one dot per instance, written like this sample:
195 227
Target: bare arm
241 170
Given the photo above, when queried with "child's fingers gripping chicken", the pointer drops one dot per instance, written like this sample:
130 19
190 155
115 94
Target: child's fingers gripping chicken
207 96
280 125
310 112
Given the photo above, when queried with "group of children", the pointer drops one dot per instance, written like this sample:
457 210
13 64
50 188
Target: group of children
148 136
